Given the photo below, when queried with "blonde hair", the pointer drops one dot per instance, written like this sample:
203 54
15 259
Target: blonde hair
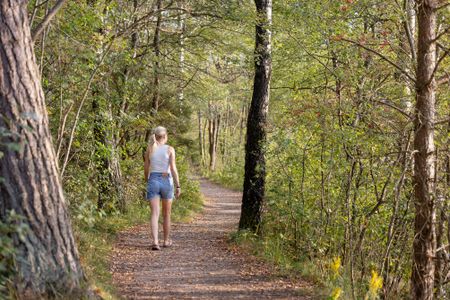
158 134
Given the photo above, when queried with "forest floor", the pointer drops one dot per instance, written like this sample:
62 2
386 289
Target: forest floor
202 263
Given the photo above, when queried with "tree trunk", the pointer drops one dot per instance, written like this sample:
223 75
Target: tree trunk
216 137
443 213
200 136
47 258
109 175
204 141
156 67
182 28
255 164
407 56
213 129
242 121
424 247
100 157
226 124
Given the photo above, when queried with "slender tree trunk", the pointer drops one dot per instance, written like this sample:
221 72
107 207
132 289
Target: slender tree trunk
213 136
226 125
109 175
182 28
200 136
101 161
242 122
204 140
47 258
443 213
157 65
407 56
114 169
255 164
216 137
424 247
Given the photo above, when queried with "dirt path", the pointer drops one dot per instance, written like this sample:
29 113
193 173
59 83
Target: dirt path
200 264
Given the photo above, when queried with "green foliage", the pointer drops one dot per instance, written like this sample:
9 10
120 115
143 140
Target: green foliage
190 201
95 242
12 228
338 155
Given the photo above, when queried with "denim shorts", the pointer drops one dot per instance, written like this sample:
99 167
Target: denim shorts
160 185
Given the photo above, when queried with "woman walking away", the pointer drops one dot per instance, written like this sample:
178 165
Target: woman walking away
159 167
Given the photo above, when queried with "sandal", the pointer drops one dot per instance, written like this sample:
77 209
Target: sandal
156 247
168 244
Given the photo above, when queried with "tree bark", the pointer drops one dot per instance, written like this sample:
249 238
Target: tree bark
242 122
204 141
200 137
47 258
156 67
182 28
213 130
255 164
424 246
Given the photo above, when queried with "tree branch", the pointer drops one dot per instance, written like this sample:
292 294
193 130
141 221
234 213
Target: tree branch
444 55
396 108
38 30
442 121
442 6
443 79
382 57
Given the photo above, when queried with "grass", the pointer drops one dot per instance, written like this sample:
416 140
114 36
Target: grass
271 251
95 244
326 283
225 179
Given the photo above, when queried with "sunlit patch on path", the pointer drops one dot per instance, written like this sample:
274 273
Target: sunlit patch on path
200 264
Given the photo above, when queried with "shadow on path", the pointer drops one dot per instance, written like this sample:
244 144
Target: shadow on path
200 264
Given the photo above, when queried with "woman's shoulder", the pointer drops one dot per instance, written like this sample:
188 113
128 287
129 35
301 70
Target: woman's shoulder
170 148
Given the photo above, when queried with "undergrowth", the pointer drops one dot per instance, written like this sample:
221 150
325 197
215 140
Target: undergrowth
227 179
330 281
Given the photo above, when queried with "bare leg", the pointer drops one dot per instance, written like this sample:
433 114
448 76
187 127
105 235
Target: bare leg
154 205
167 209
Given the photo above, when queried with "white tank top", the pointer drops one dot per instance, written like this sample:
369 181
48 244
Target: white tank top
159 160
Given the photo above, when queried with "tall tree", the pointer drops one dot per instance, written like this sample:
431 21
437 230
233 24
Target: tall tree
424 247
47 258
255 164
157 64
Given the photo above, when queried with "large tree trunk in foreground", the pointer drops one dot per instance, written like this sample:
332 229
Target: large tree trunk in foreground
47 259
424 248
255 173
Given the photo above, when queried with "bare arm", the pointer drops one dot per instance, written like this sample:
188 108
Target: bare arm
173 170
146 163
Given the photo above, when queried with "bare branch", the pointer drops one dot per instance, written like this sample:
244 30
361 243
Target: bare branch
443 79
382 57
442 121
446 52
395 107
442 6
38 30
439 35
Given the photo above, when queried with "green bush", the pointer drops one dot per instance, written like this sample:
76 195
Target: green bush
11 228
